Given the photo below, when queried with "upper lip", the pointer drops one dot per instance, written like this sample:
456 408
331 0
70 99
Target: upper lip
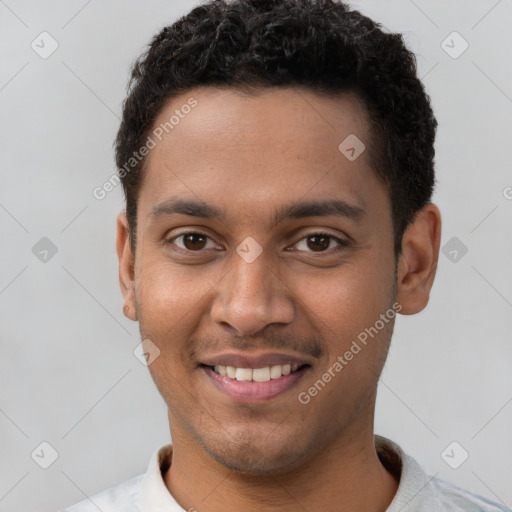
260 360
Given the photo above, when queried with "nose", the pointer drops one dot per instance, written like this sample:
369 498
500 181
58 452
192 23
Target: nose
252 296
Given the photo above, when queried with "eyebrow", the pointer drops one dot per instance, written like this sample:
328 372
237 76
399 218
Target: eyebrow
299 210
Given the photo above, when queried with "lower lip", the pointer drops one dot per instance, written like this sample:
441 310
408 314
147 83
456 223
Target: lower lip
250 392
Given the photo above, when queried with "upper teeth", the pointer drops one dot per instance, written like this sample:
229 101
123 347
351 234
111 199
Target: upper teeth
257 374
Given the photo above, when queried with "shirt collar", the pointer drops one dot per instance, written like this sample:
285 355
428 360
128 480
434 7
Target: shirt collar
413 481
413 490
153 494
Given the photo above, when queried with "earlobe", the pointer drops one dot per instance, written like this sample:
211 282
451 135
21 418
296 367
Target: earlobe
418 261
126 266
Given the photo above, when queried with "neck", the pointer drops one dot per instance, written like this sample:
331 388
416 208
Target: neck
346 476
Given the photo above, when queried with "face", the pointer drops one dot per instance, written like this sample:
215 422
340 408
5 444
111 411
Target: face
264 252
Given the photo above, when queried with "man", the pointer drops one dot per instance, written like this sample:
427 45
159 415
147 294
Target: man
277 162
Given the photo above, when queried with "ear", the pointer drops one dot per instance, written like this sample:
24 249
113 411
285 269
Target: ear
417 263
126 266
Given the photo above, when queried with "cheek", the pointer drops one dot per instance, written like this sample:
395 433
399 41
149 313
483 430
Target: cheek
168 294
348 300
162 306
172 302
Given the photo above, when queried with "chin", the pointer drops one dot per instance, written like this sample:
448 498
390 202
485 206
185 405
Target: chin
256 457
254 464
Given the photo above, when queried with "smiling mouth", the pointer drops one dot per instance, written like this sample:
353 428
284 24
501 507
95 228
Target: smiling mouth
264 374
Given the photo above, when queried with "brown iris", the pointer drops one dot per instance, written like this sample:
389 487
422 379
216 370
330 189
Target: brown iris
319 240
194 241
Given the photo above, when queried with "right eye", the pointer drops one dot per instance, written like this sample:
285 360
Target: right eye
191 241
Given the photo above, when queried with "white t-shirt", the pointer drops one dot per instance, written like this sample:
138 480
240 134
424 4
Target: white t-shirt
417 492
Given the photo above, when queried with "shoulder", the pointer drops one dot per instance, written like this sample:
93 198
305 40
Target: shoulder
455 498
120 498
419 492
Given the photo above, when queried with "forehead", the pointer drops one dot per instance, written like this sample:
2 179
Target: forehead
291 113
226 146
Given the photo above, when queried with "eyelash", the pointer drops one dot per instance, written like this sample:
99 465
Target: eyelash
342 244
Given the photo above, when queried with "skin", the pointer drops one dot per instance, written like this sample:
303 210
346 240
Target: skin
249 155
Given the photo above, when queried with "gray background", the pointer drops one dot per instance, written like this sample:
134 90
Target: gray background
68 375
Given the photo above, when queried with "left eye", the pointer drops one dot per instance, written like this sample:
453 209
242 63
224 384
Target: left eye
320 242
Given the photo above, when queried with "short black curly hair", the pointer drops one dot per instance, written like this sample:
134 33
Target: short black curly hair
321 45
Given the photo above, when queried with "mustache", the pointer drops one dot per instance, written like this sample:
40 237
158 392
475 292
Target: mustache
311 346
